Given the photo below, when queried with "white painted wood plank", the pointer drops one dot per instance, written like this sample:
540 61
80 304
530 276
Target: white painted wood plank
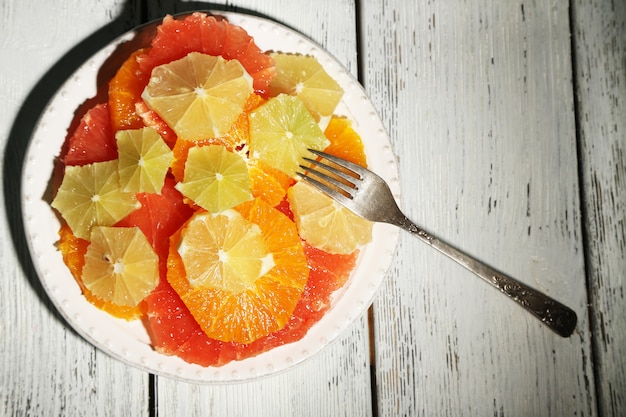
599 31
478 100
47 369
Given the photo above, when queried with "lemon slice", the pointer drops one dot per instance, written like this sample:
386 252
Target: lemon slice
90 195
305 77
144 159
120 265
281 131
199 96
215 178
326 224
240 272
224 251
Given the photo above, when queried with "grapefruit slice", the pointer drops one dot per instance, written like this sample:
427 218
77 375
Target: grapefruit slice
209 35
93 139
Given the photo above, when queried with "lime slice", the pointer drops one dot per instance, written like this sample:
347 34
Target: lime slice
281 131
215 178
90 195
144 159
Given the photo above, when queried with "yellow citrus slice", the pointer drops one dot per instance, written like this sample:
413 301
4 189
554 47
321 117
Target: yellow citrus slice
144 159
326 224
199 96
90 195
241 272
281 131
304 76
215 178
120 265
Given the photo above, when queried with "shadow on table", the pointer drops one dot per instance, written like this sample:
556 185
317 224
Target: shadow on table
133 14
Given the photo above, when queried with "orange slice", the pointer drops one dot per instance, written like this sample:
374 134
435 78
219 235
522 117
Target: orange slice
240 273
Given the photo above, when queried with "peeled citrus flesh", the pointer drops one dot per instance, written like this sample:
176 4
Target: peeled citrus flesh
304 77
144 159
241 272
90 195
120 265
281 131
199 96
215 178
325 224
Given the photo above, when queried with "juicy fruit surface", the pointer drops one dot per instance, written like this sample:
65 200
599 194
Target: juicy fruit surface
144 159
192 229
215 178
212 36
251 258
326 224
304 77
281 131
120 265
93 140
199 95
90 196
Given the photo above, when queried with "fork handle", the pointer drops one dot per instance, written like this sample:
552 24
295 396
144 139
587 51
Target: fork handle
552 313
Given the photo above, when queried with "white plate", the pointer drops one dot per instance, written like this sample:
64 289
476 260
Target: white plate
129 341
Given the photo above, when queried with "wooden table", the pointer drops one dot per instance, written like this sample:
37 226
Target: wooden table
508 121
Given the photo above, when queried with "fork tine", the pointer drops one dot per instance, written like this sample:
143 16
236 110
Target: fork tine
330 191
357 169
343 187
349 179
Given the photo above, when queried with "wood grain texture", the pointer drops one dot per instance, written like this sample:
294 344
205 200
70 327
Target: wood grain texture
47 369
478 100
599 32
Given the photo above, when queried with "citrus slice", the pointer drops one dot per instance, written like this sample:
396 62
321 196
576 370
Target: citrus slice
93 140
281 131
120 265
268 183
90 195
304 76
345 142
199 96
125 90
240 273
325 224
144 159
73 250
209 35
215 178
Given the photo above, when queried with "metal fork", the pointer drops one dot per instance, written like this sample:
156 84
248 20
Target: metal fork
369 196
